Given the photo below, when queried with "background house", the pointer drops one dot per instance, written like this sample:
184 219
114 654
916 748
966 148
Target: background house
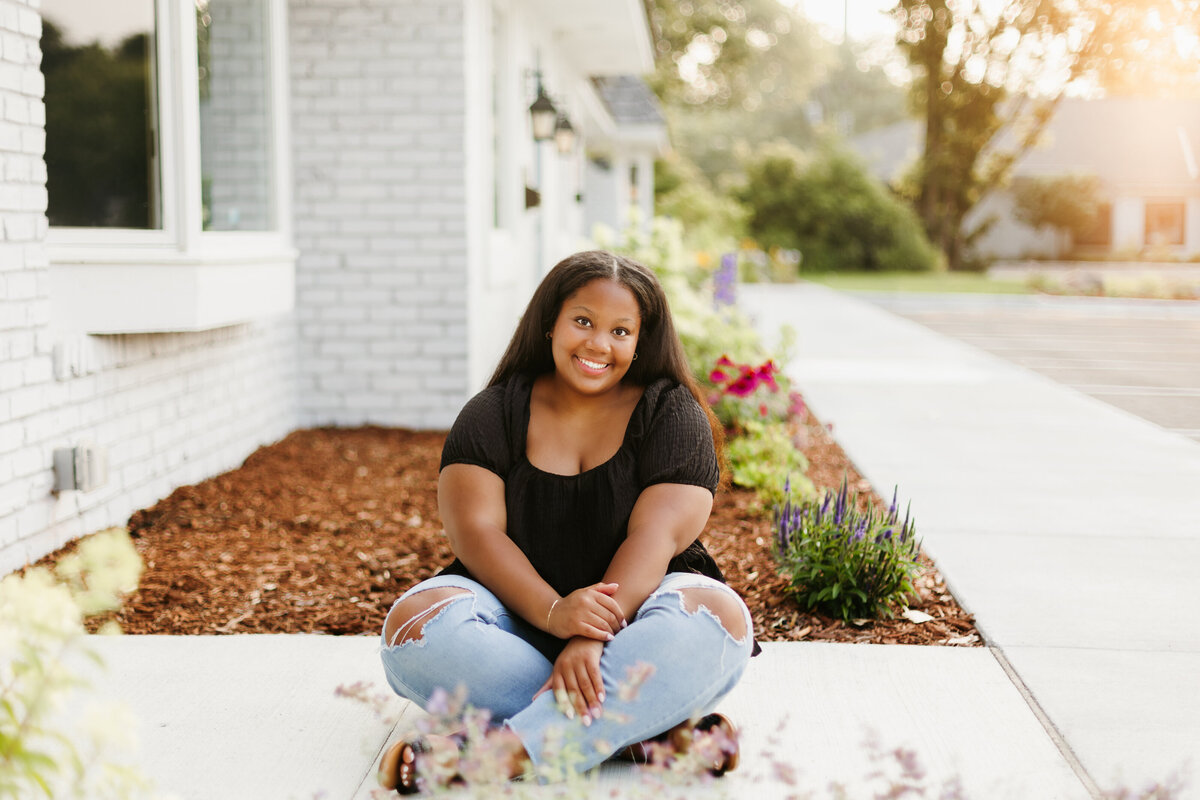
1144 151
310 212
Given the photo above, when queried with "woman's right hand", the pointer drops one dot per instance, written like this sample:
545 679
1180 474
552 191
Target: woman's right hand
590 612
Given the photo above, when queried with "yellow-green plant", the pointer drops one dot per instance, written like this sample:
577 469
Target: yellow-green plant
763 457
44 751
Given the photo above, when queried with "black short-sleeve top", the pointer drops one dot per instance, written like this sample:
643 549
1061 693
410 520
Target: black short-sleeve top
570 526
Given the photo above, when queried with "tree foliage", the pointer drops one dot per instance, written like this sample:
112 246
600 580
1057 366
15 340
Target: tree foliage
988 76
1066 202
97 132
735 75
833 212
705 49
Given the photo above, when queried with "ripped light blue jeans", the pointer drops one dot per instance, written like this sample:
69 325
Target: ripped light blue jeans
666 666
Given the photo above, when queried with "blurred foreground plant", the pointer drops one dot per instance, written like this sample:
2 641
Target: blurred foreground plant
41 637
849 562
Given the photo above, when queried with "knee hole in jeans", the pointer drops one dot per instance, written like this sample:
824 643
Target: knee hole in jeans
406 621
720 604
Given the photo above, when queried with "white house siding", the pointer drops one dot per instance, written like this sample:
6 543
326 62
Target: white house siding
380 209
170 409
1128 224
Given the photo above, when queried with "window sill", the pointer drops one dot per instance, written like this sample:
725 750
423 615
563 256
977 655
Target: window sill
171 294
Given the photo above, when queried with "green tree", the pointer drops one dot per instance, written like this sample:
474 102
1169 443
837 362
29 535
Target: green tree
98 133
832 211
987 76
734 76
1067 203
704 47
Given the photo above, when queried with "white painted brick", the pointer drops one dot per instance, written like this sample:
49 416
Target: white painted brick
394 279
8 536
12 376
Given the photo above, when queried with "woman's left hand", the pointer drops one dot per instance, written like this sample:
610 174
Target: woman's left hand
576 680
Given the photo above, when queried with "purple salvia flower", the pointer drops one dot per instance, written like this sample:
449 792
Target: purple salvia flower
725 281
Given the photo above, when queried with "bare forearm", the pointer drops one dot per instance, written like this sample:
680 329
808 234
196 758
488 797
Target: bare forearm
639 566
496 562
665 520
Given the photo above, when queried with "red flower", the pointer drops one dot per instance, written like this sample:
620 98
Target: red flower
762 409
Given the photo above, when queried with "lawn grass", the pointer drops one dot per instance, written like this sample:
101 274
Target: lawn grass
932 282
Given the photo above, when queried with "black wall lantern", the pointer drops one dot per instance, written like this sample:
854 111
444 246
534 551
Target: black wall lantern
543 114
564 134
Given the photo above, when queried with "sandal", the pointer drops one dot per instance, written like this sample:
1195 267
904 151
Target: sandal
682 739
398 766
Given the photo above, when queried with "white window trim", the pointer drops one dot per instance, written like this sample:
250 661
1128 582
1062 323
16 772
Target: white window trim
181 278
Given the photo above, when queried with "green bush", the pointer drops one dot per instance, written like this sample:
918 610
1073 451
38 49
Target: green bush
762 457
843 560
827 207
710 220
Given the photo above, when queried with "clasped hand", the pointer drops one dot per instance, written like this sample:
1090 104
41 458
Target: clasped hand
590 617
590 612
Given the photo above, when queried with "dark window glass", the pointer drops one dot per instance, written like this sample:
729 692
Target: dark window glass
101 115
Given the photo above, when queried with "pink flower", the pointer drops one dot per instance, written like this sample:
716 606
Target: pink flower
743 386
762 409
725 361
766 373
717 376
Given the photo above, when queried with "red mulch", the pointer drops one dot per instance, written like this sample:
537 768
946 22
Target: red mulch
321 531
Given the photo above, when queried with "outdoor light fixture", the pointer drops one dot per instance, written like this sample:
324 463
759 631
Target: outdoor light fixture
543 113
564 134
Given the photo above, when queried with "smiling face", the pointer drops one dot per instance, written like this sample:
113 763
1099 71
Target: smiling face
595 337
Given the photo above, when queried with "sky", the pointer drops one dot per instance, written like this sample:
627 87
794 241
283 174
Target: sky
85 21
864 19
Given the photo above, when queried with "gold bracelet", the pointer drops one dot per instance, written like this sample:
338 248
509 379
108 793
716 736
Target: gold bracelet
548 613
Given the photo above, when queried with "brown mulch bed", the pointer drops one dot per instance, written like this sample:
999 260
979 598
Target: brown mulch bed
321 531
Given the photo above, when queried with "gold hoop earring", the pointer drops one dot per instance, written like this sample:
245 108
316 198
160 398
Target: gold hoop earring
548 337
635 356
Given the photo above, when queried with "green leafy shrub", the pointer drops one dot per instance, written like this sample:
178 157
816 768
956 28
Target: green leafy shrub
849 562
41 632
709 219
829 209
762 457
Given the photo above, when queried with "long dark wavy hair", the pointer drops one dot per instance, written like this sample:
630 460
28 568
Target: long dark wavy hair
660 354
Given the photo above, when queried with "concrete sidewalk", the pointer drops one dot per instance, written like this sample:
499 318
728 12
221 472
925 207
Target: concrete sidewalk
256 717
1070 528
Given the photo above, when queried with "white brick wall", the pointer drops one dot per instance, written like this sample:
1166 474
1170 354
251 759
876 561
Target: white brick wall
171 409
378 96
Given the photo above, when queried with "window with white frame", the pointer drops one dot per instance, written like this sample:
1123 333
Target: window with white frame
101 117
1164 223
166 143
